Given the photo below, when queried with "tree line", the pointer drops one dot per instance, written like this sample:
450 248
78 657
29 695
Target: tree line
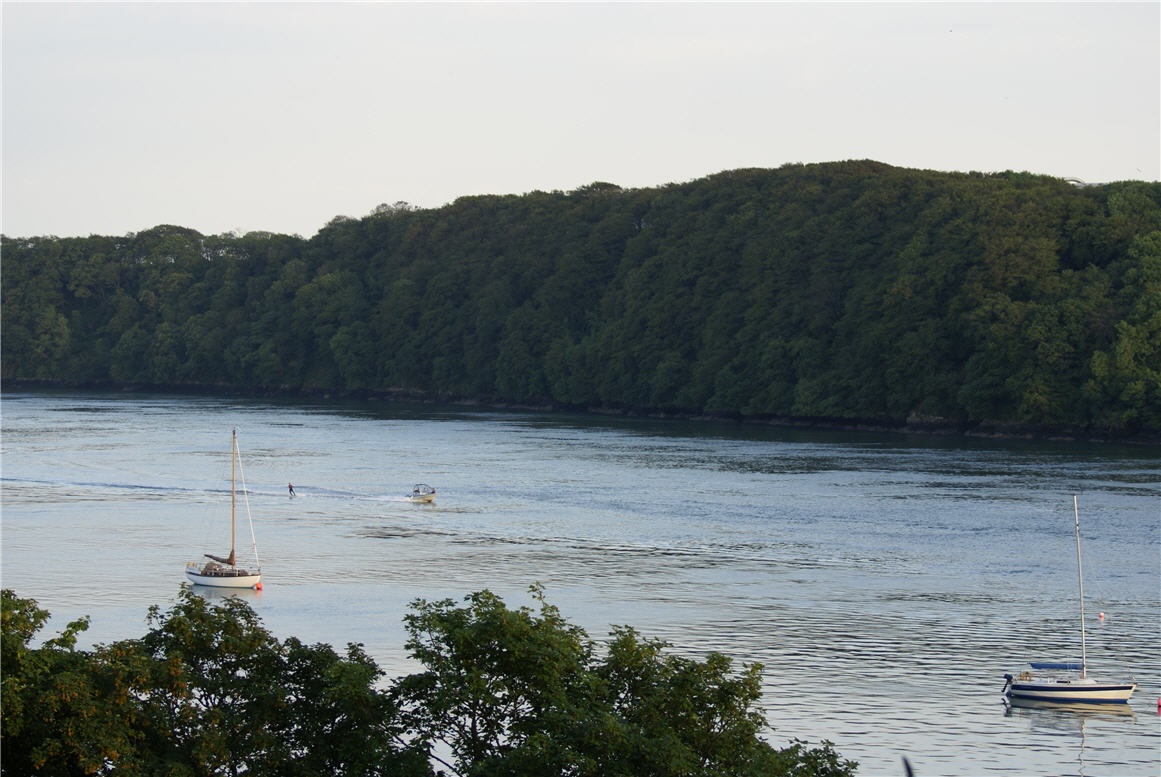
503 693
850 291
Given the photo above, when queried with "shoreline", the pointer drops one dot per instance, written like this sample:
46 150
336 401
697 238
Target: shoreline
913 425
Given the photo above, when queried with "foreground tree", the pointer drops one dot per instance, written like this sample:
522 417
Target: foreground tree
677 716
58 717
505 691
225 696
518 692
208 691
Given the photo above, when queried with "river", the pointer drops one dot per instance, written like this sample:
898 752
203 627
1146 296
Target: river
885 582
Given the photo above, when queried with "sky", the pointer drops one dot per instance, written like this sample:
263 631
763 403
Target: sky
278 117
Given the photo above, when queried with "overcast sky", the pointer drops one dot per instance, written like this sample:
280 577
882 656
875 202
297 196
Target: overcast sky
222 117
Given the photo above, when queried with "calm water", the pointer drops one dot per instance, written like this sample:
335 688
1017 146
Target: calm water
886 583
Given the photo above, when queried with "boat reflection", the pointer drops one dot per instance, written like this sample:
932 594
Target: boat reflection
1017 707
1069 721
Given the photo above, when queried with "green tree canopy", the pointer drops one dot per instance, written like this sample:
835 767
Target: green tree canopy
850 291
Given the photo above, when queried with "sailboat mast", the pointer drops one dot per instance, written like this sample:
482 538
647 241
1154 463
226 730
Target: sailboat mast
1080 581
233 495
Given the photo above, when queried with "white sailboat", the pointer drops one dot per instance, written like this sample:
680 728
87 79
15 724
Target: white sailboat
222 572
1068 682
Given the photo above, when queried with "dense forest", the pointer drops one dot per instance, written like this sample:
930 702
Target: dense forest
502 693
850 292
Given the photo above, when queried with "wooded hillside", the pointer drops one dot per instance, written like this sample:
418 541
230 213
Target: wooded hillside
850 291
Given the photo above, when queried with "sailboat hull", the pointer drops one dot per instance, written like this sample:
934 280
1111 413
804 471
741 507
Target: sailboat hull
1073 691
220 580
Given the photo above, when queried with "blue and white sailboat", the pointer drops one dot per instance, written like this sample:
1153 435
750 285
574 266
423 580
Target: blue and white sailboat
1068 682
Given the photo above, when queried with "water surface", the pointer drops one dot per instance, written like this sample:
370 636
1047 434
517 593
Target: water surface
885 582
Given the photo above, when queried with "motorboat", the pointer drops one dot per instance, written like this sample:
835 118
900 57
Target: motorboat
422 494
